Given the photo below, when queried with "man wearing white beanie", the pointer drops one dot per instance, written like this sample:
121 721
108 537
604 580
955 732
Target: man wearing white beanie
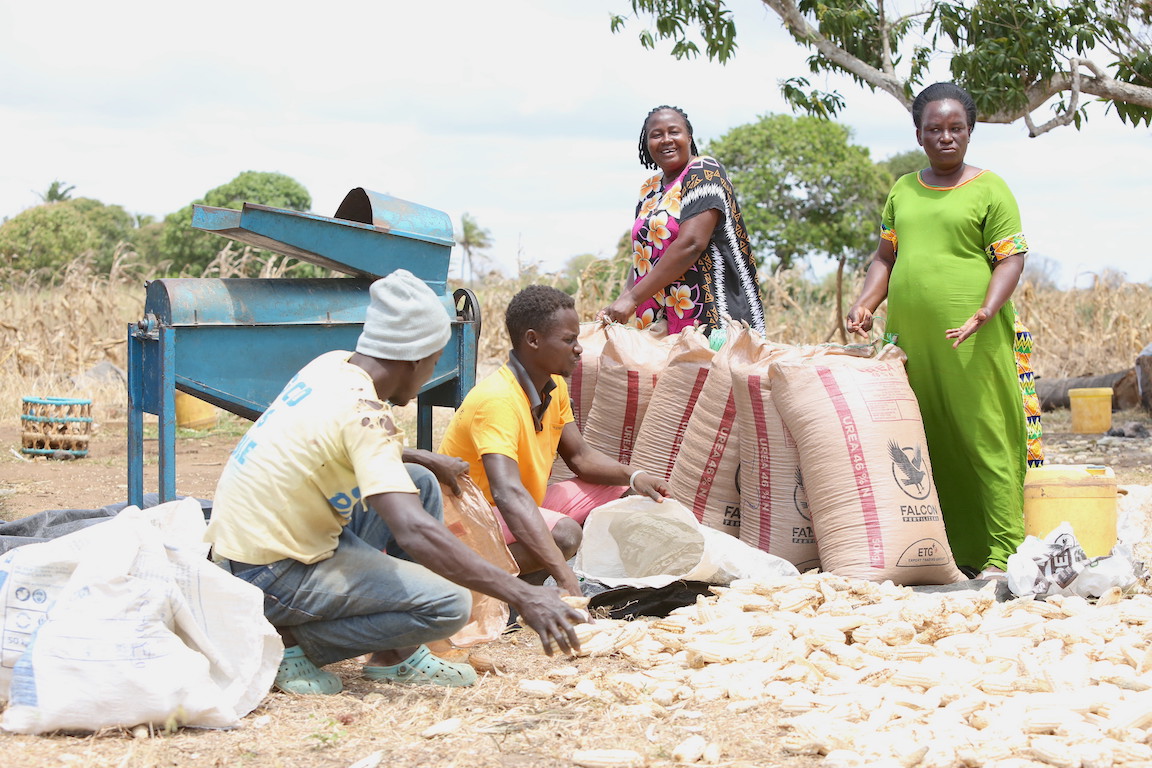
405 320
318 509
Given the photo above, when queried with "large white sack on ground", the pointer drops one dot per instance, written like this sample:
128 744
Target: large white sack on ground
706 476
774 515
636 541
127 622
666 420
582 386
630 366
865 461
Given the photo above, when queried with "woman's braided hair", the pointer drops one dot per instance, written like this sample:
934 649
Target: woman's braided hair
941 92
646 156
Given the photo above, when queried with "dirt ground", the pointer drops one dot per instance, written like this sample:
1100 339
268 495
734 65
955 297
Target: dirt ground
101 478
374 724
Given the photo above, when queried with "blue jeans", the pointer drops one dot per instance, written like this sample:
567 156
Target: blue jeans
369 596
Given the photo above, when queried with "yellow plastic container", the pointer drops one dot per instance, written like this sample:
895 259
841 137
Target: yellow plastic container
194 413
1091 410
1084 495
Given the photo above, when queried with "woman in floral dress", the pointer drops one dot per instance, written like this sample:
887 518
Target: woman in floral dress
692 263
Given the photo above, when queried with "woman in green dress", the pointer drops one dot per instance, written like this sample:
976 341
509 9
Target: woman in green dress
951 252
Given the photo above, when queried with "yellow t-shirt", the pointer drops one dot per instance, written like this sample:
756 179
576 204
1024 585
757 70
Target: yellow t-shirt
496 417
325 444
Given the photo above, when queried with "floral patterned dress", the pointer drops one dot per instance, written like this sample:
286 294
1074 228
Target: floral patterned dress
723 280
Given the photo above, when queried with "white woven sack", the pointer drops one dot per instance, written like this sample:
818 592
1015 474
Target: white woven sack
636 541
666 420
630 365
582 387
706 475
127 622
774 514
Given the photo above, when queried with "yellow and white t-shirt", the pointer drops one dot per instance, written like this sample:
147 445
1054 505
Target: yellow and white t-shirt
325 444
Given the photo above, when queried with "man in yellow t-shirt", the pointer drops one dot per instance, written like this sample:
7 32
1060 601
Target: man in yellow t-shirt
317 508
511 426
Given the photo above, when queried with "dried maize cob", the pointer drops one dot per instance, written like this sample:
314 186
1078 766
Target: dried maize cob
608 758
538 688
690 750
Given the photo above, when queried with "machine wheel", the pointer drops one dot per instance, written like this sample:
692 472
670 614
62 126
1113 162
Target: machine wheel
467 307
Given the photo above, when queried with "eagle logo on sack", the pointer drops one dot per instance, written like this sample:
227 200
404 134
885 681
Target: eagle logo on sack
800 497
909 470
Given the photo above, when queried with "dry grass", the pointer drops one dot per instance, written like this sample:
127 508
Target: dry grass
1087 331
56 327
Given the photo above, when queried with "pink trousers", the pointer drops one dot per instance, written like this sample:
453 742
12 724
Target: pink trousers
572 498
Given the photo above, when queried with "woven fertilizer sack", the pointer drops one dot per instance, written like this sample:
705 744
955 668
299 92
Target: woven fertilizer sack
630 366
866 469
705 477
774 514
582 386
666 420
582 383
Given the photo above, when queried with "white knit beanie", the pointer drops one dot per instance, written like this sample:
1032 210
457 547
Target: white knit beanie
405 320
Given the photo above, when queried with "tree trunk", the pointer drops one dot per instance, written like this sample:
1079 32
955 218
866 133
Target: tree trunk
840 300
838 320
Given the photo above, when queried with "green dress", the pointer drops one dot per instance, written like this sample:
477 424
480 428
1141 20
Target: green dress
947 240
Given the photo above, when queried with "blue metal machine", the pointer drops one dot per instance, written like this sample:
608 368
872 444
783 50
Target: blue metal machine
235 342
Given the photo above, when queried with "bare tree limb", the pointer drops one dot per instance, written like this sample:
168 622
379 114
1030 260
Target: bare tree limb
1069 113
1098 84
804 32
885 43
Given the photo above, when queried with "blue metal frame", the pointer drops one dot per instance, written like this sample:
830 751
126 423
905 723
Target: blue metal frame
236 342
201 360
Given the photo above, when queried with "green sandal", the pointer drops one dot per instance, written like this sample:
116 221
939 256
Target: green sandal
297 674
424 668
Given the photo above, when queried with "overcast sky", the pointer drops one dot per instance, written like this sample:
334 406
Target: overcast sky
523 114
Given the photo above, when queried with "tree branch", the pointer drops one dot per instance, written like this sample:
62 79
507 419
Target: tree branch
1082 78
1098 84
806 34
885 43
1068 115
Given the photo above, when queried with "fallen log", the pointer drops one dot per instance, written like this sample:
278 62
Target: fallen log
1053 393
